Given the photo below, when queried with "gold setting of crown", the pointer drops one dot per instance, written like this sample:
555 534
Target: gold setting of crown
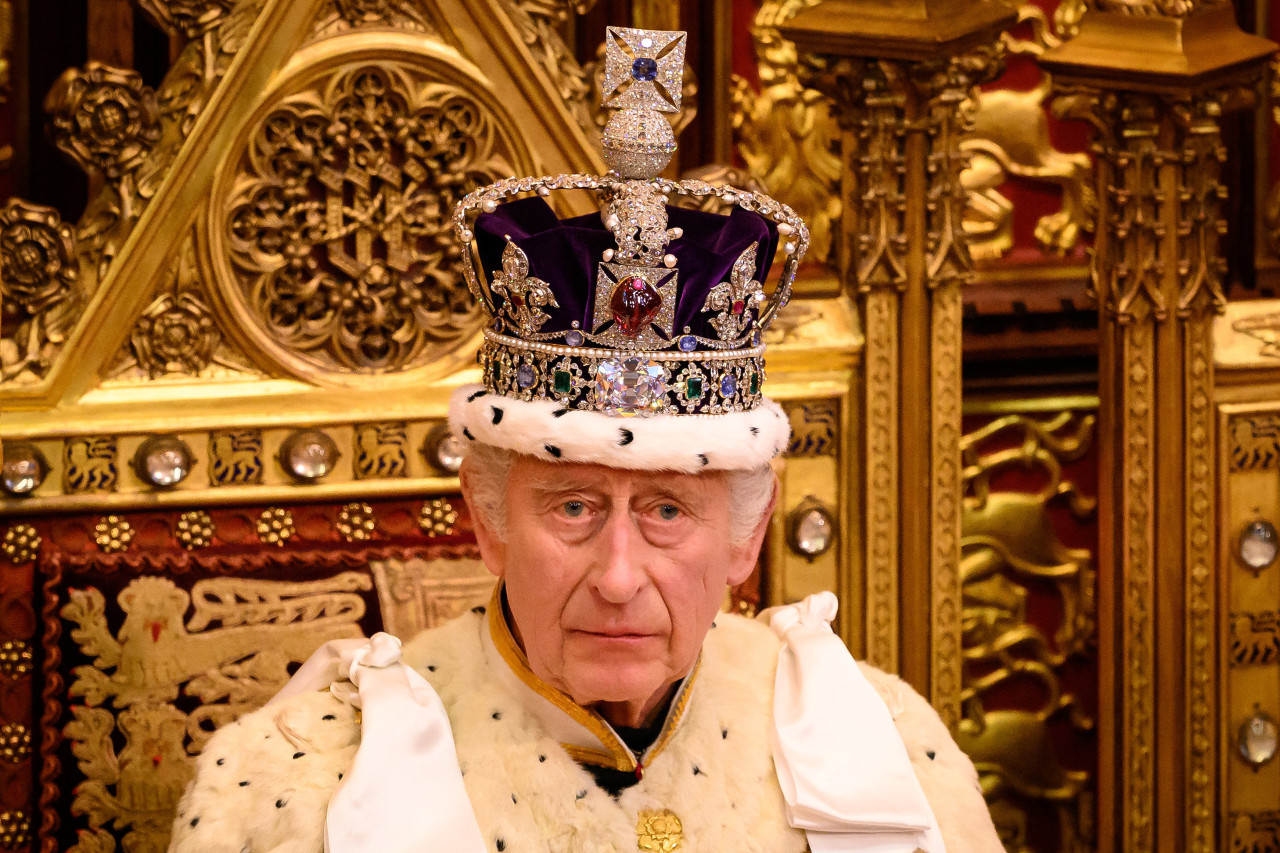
631 360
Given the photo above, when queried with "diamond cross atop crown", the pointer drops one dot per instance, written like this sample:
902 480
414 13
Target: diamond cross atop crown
637 317
643 70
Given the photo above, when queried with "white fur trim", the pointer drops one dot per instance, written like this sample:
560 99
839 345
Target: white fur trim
685 443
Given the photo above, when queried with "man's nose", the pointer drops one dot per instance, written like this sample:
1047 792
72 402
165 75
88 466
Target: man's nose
620 574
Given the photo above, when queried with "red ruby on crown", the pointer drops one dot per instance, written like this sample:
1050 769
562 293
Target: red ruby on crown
635 302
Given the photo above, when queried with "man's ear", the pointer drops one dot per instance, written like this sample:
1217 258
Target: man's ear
744 557
493 551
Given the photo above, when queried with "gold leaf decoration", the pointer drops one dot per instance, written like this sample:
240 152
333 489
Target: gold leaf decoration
333 237
437 518
38 284
356 522
275 526
113 534
16 659
195 529
786 132
21 543
104 118
15 742
15 829
132 745
658 831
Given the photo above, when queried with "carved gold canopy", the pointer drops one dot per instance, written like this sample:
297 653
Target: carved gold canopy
269 249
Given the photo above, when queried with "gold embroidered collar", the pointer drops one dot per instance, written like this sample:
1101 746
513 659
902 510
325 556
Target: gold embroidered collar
584 734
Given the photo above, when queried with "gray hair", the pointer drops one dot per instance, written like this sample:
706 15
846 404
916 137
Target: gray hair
487 468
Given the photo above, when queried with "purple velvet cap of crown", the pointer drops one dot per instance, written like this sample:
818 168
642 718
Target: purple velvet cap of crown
566 254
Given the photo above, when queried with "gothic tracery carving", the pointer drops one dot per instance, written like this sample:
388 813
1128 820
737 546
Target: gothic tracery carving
337 226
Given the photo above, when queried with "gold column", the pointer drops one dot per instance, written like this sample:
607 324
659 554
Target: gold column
1154 80
899 73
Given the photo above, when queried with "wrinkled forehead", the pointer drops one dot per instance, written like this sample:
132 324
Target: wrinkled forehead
539 476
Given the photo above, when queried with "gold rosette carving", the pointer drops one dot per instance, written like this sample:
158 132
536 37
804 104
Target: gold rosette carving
329 230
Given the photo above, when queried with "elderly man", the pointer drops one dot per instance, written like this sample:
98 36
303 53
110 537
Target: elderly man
620 481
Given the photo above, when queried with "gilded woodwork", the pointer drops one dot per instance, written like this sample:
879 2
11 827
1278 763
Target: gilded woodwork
1009 544
189 18
1247 334
1271 211
6 59
785 132
540 23
1010 136
1249 441
1157 273
231 654
329 234
1255 442
906 255
39 285
788 138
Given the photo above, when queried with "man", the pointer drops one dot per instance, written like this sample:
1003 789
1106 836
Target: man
620 481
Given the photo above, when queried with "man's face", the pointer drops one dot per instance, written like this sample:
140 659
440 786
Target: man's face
614 577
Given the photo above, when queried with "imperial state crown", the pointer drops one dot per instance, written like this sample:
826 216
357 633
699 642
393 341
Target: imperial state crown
632 337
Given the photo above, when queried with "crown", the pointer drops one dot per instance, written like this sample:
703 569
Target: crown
644 308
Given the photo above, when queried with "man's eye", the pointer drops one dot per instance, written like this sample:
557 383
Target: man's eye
574 509
668 512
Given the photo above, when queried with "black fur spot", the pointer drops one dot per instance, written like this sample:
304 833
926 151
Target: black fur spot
552 449
541 758
244 784
724 734
496 415
582 795
221 761
560 413
431 668
476 396
279 804
500 844
932 755
194 821
298 754
479 608
696 770
627 437
339 777
497 715
513 799
328 717
755 430
702 457
466 432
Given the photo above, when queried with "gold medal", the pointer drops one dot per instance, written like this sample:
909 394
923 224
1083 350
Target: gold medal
658 831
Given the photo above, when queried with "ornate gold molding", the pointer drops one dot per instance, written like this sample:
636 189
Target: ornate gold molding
1157 274
1012 561
905 251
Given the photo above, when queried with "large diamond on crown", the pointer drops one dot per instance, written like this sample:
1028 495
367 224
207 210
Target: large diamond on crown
635 306
629 386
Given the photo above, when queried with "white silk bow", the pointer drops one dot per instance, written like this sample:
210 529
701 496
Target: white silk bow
404 791
842 766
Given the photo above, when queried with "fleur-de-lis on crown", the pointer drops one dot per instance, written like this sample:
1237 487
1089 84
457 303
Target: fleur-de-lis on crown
735 298
523 298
